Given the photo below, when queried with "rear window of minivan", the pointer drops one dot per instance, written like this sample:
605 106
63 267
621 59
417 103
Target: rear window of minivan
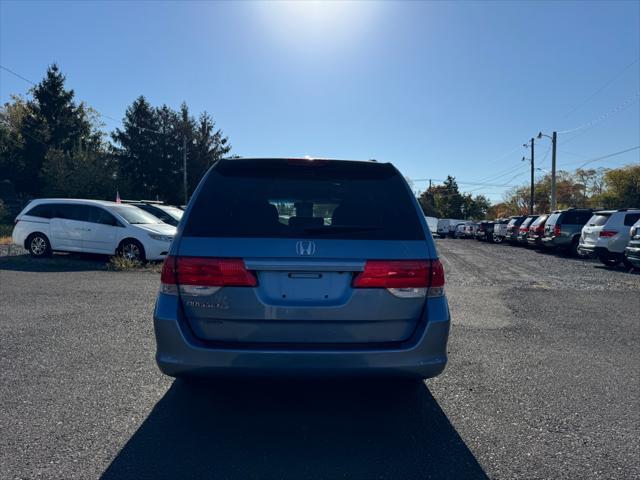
304 199
598 220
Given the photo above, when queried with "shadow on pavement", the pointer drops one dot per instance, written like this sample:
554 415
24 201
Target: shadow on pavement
72 262
296 430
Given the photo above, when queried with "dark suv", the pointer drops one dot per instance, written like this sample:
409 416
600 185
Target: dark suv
523 231
485 231
513 228
536 231
563 228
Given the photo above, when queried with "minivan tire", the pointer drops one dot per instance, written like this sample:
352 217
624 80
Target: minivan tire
573 249
38 245
132 249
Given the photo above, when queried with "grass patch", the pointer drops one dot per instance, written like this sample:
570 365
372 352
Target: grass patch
5 232
123 264
6 240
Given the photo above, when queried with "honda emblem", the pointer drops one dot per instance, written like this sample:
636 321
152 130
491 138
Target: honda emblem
305 247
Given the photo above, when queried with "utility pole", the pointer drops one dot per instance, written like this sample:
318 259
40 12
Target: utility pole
533 186
184 168
554 141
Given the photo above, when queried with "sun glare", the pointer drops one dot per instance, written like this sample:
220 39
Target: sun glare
316 24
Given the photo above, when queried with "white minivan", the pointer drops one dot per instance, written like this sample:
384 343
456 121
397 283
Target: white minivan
92 226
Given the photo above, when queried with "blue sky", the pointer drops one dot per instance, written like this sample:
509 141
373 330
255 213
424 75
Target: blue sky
437 88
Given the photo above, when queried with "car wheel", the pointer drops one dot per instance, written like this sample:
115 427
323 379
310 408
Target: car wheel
609 260
38 245
573 249
497 239
132 249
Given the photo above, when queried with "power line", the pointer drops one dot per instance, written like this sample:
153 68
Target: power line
606 84
608 156
17 75
603 117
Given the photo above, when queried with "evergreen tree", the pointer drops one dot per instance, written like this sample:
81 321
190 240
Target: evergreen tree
136 150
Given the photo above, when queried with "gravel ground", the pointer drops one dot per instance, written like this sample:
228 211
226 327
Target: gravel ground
543 382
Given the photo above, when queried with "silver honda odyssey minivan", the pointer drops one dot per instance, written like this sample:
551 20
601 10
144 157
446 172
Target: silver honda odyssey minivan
302 267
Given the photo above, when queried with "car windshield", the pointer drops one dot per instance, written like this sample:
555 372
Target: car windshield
134 215
173 212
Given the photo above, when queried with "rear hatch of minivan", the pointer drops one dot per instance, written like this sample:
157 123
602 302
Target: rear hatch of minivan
591 231
304 252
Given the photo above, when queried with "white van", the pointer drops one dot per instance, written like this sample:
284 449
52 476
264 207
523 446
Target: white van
92 226
446 226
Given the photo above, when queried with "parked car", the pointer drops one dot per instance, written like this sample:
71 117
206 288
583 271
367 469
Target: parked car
167 213
485 231
511 235
607 234
632 251
536 231
459 231
92 226
470 230
563 228
500 230
523 230
350 284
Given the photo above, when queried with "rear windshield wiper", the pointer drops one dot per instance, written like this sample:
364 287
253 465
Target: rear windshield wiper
335 229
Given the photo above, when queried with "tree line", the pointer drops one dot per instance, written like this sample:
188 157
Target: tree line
600 188
52 145
446 201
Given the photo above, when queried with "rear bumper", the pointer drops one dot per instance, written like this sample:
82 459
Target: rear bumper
633 255
554 242
178 353
586 249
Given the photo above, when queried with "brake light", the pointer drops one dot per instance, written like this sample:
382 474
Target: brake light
204 272
608 233
403 278
556 230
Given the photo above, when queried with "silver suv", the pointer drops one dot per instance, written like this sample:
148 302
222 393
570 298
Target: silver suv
607 233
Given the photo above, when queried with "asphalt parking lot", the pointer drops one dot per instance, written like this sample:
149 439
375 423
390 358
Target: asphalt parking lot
543 382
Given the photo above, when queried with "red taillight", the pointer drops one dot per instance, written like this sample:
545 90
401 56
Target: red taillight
608 233
400 274
556 230
206 272
523 229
